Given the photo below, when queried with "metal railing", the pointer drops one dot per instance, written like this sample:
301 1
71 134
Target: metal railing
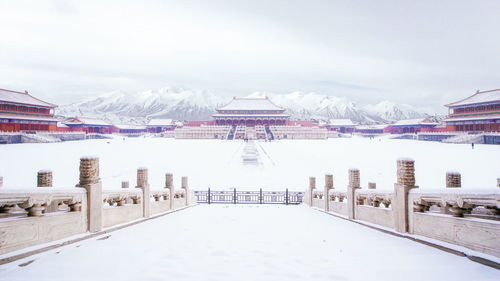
249 197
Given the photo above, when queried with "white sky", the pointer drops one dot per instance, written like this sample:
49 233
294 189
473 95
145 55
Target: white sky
424 53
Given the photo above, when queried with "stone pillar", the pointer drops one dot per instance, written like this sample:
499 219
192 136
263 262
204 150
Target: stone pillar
89 179
453 179
142 183
405 182
125 184
372 185
310 190
184 185
498 182
354 183
44 178
1 181
169 183
328 186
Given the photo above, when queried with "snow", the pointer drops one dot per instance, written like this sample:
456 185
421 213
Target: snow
409 122
479 97
282 164
341 122
24 98
235 242
161 122
250 104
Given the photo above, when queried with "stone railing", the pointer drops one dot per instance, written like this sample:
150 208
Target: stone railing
38 215
466 218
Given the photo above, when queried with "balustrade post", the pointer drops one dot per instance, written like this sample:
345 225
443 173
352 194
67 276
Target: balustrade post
260 197
498 182
1 181
453 180
44 178
372 185
89 179
169 183
328 186
125 184
184 185
405 182
209 196
354 183
142 183
310 190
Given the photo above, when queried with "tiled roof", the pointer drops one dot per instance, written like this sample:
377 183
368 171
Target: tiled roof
22 98
340 122
250 104
469 118
409 122
478 98
161 122
88 121
129 127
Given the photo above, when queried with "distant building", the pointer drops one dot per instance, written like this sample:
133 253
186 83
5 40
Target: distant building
89 125
410 126
479 112
128 129
250 112
161 125
341 125
19 111
371 129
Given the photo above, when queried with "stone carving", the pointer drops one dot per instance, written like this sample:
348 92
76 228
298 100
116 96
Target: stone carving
44 178
121 197
337 195
34 203
372 185
329 181
453 179
142 177
160 194
374 198
354 180
406 172
89 170
312 182
125 184
458 204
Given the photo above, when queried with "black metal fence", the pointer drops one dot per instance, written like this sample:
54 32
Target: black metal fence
249 197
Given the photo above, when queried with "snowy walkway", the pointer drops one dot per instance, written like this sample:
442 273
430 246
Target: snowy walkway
238 242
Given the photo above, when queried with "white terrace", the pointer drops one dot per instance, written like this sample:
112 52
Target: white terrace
359 234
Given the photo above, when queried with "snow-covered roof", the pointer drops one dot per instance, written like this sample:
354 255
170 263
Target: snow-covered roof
61 125
418 121
88 121
250 104
161 122
129 127
371 127
237 115
22 98
27 117
478 98
340 122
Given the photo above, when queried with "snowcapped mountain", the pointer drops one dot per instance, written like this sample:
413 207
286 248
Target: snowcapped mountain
186 104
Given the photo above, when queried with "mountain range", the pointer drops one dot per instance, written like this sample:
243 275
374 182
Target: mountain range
187 104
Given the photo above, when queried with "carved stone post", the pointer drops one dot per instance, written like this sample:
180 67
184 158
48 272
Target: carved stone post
142 183
89 179
354 183
453 180
125 184
169 183
328 186
1 181
312 186
372 185
498 182
44 178
405 182
184 185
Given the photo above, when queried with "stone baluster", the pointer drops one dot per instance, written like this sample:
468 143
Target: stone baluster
89 179
44 178
372 185
453 180
354 183
328 186
125 184
169 183
142 183
405 182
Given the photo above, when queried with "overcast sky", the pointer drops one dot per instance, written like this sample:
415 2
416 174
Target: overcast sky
424 53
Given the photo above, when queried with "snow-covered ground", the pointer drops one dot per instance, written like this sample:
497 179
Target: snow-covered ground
280 164
235 242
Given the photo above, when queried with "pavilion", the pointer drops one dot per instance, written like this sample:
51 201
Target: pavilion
251 112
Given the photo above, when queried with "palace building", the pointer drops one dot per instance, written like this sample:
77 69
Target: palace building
477 113
19 111
250 112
